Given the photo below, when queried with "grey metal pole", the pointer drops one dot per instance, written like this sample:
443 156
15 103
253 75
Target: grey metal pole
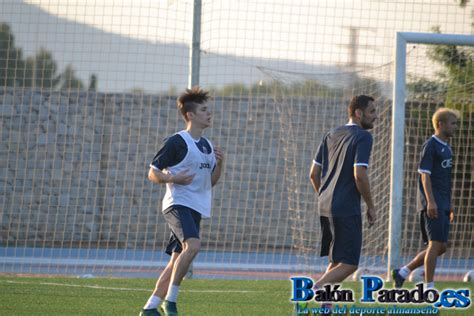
195 49
396 172
195 65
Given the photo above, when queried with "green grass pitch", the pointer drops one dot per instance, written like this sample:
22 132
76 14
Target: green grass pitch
112 296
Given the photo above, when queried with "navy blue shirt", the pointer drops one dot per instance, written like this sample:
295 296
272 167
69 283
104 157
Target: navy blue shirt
437 161
174 150
342 149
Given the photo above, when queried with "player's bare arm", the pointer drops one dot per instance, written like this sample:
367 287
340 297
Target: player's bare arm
216 174
451 213
363 185
431 207
315 176
159 177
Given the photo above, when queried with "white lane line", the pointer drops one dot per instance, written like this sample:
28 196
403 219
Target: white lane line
124 289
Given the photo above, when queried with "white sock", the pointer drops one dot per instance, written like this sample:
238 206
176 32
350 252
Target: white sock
172 294
152 302
404 272
429 285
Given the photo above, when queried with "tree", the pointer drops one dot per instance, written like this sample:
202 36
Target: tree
28 78
421 88
93 83
69 79
458 63
45 71
12 65
39 71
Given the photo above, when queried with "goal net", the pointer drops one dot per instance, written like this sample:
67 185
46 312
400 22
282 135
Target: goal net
311 104
440 76
88 92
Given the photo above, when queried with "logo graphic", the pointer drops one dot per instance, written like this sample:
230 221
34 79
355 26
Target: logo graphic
303 291
205 165
373 291
447 298
447 163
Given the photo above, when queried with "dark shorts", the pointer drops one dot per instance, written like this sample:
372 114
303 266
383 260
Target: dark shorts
435 229
184 223
342 239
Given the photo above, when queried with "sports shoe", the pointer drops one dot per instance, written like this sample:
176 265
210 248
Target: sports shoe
169 308
397 278
149 312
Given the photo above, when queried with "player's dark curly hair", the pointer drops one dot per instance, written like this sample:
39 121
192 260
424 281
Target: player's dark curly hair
190 99
358 102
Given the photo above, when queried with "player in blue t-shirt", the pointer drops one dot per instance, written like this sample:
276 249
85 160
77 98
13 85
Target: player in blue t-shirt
434 196
339 176
189 166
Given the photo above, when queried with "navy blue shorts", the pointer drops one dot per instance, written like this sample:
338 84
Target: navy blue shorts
436 229
342 239
184 223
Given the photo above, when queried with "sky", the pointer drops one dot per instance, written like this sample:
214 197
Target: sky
269 29
309 32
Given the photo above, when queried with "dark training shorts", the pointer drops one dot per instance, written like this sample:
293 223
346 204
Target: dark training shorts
184 223
342 239
436 229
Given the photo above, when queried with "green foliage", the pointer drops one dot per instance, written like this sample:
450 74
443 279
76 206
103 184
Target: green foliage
366 85
69 79
38 71
45 71
425 89
454 85
276 88
12 64
458 63
303 88
93 83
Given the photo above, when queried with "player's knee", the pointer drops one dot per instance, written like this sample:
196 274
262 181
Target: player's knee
173 259
353 268
349 268
442 249
193 245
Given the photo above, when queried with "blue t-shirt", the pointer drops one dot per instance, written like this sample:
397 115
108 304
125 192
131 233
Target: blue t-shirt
437 161
342 149
174 150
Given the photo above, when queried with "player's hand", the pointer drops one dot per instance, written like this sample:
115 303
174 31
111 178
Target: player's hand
219 155
183 177
451 216
432 210
371 215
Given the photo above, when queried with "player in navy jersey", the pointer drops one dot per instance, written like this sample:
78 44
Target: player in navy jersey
189 166
434 196
339 175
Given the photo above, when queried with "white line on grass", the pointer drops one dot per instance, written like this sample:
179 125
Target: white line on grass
123 288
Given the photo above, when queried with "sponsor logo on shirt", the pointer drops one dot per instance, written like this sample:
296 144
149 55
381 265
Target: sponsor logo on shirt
447 163
205 165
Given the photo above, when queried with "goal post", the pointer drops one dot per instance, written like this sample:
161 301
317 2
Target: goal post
398 119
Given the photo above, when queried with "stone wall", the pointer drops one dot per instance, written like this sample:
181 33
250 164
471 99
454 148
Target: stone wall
74 171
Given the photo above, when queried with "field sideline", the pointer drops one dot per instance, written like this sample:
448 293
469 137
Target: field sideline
21 295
